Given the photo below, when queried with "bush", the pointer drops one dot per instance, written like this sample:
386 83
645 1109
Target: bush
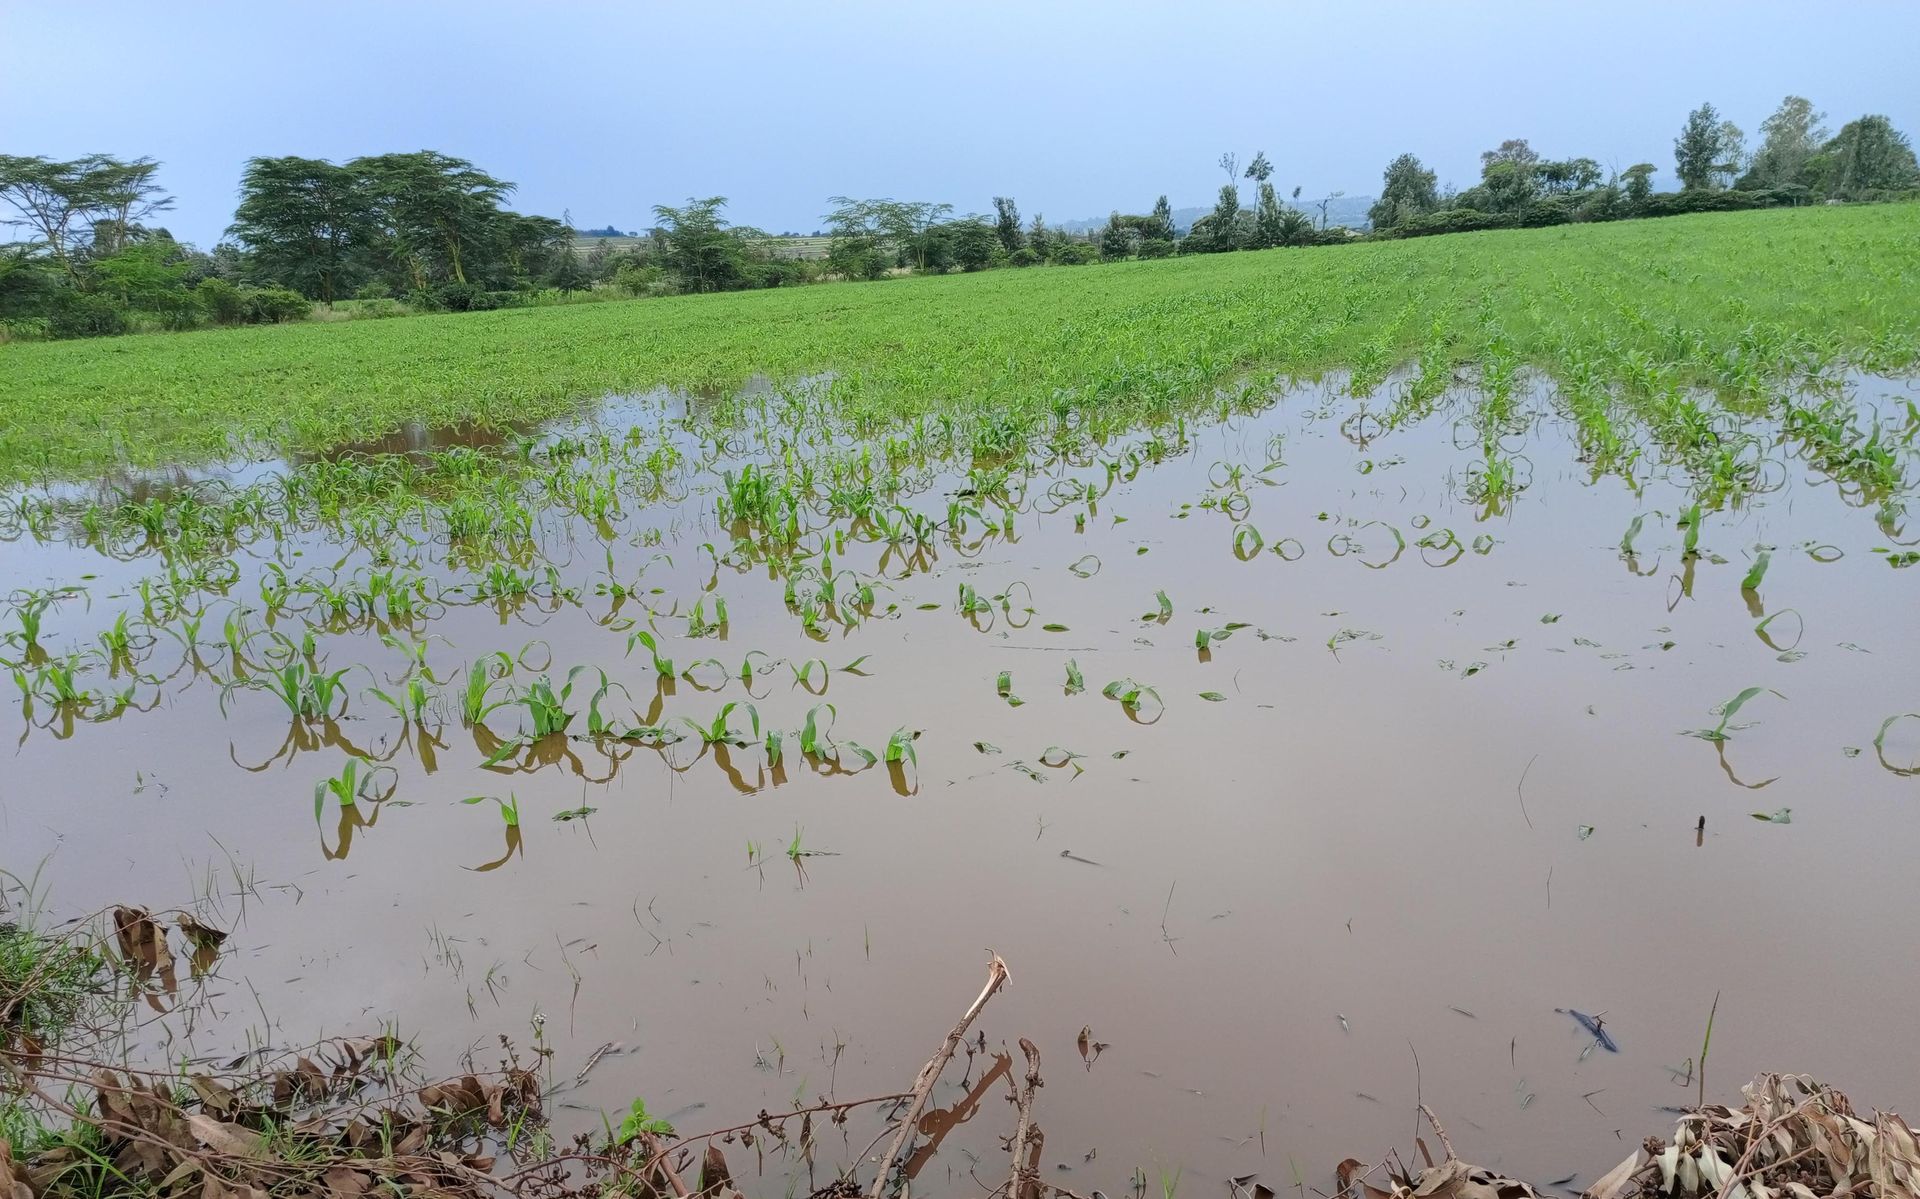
224 303
1156 247
1075 253
1024 256
1553 210
272 305
459 297
638 280
85 314
374 290
1452 220
375 310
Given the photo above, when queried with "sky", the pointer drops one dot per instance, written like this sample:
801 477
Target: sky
1073 107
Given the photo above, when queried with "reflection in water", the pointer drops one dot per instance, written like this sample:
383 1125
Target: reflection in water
1224 661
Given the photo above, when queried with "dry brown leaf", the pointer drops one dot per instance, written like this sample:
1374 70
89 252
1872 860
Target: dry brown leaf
13 1179
226 1138
1615 1180
715 1177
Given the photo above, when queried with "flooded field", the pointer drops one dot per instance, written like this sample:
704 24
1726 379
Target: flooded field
1305 755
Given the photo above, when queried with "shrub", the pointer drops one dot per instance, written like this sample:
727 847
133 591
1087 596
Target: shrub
375 310
1553 210
459 297
224 303
1024 256
1075 253
85 314
374 290
1452 220
1156 247
272 305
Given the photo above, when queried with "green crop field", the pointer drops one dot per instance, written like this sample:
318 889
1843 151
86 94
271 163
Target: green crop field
1725 300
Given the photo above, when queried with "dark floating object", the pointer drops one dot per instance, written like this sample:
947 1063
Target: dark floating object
1594 1026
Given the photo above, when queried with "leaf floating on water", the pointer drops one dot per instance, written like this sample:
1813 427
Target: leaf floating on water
1053 628
1056 756
1213 697
1550 618
1777 816
986 747
1585 831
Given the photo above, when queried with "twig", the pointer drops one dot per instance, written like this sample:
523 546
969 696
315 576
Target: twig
1438 1131
659 1159
768 1117
923 1085
1020 1185
1520 789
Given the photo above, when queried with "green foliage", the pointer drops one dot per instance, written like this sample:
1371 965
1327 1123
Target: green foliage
1137 343
1700 148
1407 190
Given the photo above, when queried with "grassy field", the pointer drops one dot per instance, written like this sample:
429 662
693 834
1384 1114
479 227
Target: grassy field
1732 301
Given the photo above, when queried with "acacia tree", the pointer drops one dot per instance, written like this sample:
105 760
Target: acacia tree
303 220
1407 190
867 235
698 245
435 210
89 203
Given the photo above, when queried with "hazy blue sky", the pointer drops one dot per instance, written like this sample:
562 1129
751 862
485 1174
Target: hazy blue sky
1074 107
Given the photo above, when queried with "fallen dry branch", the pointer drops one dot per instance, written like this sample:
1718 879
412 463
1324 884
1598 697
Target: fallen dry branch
1024 1182
923 1085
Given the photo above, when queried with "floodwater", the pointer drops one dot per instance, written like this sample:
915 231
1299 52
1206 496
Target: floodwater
1441 791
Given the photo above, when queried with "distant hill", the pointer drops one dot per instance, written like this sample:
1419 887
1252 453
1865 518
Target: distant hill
1350 211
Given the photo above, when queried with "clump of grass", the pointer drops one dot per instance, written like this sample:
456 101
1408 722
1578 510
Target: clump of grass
48 984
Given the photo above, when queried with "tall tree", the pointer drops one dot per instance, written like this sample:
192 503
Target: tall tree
1638 179
1039 237
1223 223
436 209
67 205
1514 150
1230 163
1407 190
1697 151
1006 224
302 219
1268 225
1259 170
1161 221
1732 156
1788 138
1869 154
699 247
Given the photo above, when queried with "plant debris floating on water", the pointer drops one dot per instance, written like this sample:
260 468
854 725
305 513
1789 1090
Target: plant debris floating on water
1595 1026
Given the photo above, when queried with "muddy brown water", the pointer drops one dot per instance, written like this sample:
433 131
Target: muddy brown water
1371 873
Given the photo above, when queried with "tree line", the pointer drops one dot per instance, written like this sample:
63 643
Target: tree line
425 231
1798 161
